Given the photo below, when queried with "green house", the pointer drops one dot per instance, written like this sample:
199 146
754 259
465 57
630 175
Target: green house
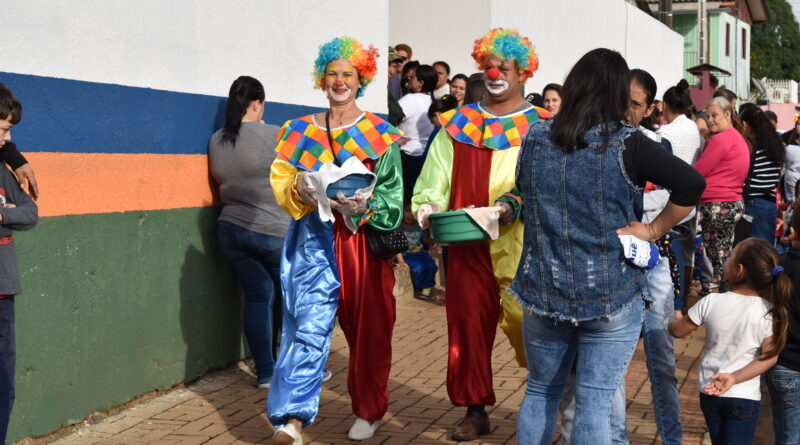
726 41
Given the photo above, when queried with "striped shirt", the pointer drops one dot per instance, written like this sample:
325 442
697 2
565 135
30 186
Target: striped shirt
763 178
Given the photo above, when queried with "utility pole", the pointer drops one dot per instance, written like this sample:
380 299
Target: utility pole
701 31
665 12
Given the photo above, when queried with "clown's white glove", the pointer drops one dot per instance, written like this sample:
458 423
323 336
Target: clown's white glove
424 211
348 207
308 194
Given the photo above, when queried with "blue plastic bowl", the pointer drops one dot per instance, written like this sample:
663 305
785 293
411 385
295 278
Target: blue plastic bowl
348 185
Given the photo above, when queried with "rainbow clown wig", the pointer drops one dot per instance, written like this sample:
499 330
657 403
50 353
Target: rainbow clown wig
351 50
506 44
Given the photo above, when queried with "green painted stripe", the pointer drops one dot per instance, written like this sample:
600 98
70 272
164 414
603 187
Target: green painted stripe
116 305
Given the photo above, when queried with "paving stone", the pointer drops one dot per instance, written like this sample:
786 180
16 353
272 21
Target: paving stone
224 408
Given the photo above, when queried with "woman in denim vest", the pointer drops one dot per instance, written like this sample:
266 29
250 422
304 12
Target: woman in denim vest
580 176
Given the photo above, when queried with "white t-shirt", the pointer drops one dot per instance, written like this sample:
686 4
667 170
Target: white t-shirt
416 126
684 136
736 325
792 174
441 91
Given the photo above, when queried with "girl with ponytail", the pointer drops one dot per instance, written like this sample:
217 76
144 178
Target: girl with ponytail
680 130
766 164
746 330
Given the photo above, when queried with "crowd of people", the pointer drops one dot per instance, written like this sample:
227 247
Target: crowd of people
606 203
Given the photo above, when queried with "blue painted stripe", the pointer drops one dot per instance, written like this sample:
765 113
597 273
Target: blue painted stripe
61 115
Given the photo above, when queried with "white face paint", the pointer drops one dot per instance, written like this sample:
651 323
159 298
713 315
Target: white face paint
496 87
339 93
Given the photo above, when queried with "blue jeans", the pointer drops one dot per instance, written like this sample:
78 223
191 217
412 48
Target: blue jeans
784 390
730 420
604 348
765 215
256 258
8 358
659 346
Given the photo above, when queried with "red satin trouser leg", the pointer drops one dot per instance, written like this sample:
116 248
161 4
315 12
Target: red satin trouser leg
366 316
473 309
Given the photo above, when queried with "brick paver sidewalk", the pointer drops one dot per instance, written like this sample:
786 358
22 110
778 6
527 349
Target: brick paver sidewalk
225 408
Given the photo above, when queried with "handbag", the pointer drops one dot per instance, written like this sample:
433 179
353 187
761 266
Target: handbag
384 245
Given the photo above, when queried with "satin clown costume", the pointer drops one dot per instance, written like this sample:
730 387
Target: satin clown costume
325 266
473 163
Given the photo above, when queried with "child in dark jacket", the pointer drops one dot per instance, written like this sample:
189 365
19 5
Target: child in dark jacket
17 212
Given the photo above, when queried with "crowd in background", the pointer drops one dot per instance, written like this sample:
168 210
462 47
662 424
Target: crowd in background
752 175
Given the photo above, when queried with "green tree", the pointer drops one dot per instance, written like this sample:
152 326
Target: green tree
775 47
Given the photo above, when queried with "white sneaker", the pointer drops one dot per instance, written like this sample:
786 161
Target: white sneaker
362 429
327 375
287 435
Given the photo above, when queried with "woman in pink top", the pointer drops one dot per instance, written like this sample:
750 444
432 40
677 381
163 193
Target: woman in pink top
724 164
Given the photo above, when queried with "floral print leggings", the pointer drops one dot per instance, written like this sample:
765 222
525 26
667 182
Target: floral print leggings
718 220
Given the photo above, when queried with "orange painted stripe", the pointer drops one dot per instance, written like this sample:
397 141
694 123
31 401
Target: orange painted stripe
83 183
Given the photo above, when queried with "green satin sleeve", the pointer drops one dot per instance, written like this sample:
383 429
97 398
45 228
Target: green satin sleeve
387 197
433 184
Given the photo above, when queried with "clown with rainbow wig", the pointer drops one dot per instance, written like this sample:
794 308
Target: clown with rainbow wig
472 163
327 266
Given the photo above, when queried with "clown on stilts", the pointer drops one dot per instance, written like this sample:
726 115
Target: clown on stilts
327 266
472 163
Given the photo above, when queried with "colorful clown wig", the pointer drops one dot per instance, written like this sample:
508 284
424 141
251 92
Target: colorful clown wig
506 44
351 50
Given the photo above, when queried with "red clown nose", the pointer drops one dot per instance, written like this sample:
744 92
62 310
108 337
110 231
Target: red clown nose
338 83
493 73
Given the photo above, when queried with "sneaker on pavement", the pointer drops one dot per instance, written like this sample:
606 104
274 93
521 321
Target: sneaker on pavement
327 375
287 435
362 429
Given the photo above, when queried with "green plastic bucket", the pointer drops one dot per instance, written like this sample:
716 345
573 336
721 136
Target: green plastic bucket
456 228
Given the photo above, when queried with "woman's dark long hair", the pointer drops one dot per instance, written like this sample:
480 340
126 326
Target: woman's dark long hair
678 99
427 74
244 90
596 92
765 137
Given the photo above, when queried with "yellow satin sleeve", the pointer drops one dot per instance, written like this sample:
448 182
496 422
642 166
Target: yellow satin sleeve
282 177
507 249
433 183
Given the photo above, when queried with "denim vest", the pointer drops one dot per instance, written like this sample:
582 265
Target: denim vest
572 265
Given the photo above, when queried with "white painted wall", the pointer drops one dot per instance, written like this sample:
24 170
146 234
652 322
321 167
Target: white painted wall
194 46
440 30
562 32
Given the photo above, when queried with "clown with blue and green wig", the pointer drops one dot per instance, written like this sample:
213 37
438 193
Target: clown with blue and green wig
326 265
472 163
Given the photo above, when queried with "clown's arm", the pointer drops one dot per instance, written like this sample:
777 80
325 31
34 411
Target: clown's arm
432 190
385 207
283 178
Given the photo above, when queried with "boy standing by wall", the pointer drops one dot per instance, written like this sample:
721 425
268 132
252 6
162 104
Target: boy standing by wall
17 212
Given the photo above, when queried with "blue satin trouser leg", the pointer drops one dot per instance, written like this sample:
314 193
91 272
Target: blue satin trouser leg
310 280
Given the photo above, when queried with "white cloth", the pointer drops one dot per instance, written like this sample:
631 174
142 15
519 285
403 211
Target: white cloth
792 174
736 325
415 126
684 136
441 91
654 203
488 218
641 253
330 173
